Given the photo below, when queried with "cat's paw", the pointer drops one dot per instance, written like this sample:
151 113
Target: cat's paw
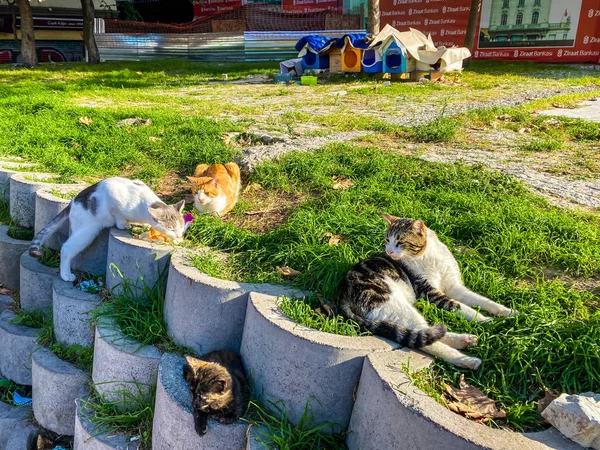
482 319
226 420
122 225
470 362
468 340
503 311
67 276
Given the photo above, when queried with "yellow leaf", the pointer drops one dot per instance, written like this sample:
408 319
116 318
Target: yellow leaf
287 271
85 121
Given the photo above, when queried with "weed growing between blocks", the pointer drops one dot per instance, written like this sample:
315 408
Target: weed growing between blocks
132 414
14 231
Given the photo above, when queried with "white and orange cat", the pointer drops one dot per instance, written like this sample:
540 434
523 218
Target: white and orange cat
215 188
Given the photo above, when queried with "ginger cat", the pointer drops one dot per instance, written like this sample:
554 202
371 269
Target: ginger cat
215 188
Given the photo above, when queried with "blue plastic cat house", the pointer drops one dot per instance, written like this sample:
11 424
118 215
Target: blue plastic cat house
372 60
313 49
394 57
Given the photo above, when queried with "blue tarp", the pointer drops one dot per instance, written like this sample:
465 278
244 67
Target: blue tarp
357 40
317 42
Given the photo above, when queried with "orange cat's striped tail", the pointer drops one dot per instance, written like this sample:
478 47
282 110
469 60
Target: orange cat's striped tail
234 171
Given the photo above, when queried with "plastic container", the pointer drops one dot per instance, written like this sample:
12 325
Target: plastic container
308 81
283 77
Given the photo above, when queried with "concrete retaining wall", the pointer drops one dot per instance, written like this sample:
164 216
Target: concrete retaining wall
72 314
36 284
122 364
89 437
173 426
22 196
206 313
10 254
47 207
56 386
137 260
12 420
7 169
300 366
390 412
17 343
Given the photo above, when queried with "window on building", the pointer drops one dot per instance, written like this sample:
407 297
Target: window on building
505 4
504 19
519 18
535 17
565 36
521 2
537 3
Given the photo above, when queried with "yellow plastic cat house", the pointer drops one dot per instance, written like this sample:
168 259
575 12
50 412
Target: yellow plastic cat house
346 56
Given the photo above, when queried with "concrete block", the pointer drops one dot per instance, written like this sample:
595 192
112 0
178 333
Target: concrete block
47 207
206 313
122 364
7 169
173 426
23 187
93 259
137 260
577 417
36 284
56 386
72 314
12 419
390 412
5 303
299 366
90 437
22 437
257 438
10 252
17 343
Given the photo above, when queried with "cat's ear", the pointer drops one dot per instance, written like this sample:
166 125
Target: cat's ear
156 213
419 226
215 181
179 206
192 366
389 219
192 180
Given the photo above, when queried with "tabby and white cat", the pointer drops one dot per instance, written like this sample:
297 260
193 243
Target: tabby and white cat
379 293
215 188
113 201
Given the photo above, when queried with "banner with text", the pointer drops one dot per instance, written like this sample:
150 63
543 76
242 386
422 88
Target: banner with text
308 6
205 8
539 30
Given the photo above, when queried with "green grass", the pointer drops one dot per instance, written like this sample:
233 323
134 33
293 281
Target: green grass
51 180
111 418
303 312
442 129
8 388
31 319
49 257
69 195
275 431
14 231
505 235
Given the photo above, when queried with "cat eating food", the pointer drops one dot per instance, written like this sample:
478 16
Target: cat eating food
215 188
379 293
113 201
219 388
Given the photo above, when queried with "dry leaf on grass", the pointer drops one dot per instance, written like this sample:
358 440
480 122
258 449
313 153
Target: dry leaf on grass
253 187
549 397
334 239
287 271
341 182
525 130
472 403
85 121
133 121
4 291
504 117
259 212
154 139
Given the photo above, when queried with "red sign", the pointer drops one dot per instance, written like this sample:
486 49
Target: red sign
308 6
205 8
538 30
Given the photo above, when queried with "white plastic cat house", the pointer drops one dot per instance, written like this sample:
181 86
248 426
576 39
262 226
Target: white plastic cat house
412 50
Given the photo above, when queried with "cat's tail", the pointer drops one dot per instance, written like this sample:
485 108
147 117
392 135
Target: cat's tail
398 333
47 231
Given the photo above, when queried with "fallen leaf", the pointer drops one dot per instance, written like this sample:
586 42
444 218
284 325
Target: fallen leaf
525 130
287 271
4 291
341 183
154 139
259 212
549 397
472 403
85 121
557 105
133 121
138 73
334 239
253 187
504 117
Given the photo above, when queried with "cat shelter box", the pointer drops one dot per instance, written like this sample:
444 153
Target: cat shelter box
292 67
314 51
394 57
371 61
352 47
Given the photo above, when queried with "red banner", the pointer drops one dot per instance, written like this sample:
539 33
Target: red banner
538 30
308 6
205 8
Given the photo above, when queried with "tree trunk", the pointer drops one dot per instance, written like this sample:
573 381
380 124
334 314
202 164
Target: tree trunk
27 34
87 7
373 19
472 24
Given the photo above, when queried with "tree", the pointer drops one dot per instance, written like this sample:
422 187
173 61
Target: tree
27 47
373 19
472 24
87 7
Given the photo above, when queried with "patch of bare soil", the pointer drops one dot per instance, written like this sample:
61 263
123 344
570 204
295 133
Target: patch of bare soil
591 284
